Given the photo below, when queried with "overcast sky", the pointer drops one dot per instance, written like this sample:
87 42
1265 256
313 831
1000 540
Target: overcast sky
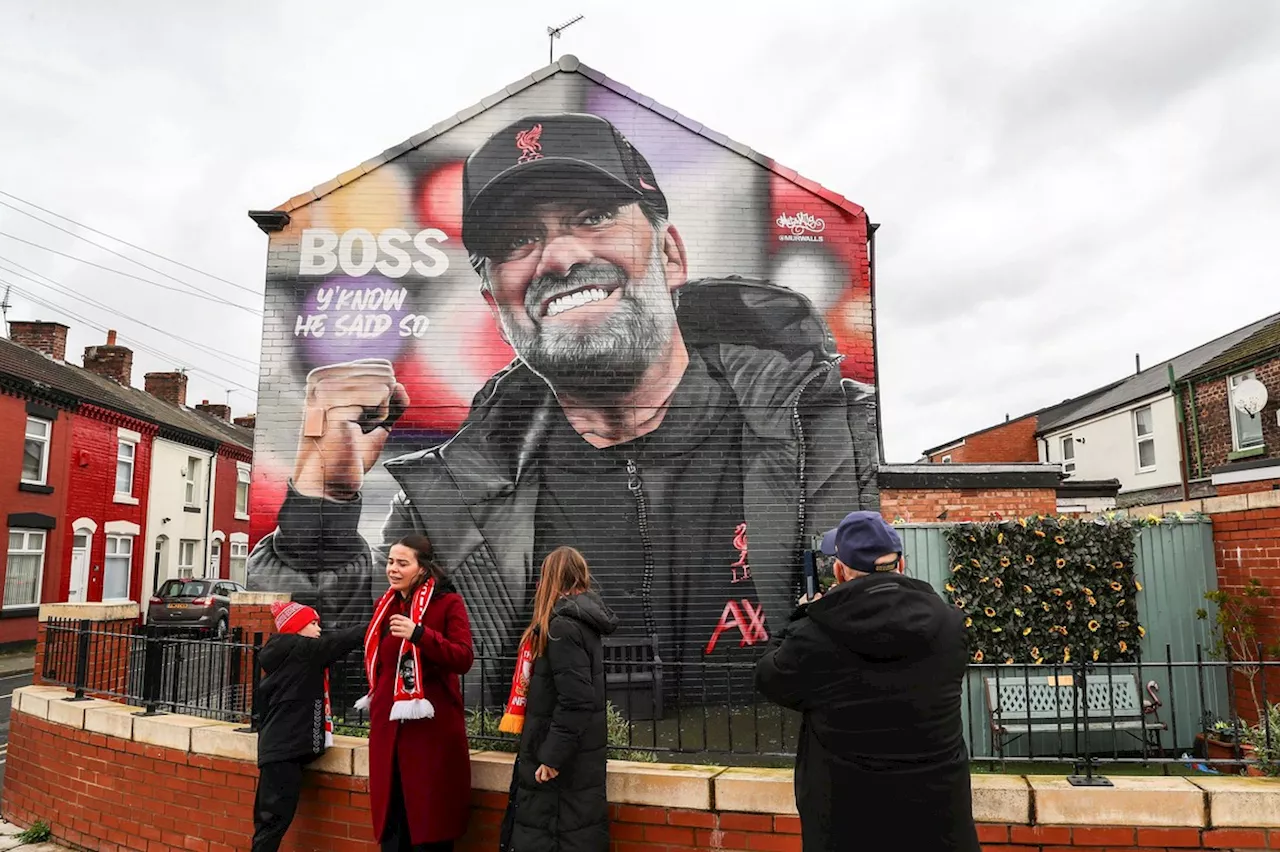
1060 185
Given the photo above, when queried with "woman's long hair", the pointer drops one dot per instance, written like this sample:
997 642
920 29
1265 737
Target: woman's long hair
564 572
425 554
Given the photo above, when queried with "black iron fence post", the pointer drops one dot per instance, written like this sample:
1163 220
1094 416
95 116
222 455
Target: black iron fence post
256 678
152 670
84 639
1080 683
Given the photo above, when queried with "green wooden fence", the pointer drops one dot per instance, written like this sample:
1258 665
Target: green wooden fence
1176 567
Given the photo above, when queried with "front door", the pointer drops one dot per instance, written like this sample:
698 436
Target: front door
79 570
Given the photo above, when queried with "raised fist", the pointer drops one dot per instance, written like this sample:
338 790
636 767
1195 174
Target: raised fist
349 411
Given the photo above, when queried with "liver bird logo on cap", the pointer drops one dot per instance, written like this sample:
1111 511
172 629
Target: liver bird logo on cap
528 141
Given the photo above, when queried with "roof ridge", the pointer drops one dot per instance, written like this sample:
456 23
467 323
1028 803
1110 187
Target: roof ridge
568 64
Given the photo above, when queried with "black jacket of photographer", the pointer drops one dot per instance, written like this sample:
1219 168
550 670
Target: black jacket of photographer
876 667
289 705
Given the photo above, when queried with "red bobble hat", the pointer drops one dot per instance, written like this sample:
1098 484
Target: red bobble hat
292 617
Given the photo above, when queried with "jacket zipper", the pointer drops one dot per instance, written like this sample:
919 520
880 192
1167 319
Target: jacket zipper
636 486
798 426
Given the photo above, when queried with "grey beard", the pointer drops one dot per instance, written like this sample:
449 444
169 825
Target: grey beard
606 360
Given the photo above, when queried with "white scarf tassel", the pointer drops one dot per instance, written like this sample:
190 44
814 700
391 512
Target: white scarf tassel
417 708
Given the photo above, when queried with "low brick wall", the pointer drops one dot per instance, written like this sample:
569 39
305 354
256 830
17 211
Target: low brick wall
108 779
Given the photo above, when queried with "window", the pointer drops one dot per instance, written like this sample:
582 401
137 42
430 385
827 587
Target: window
35 451
215 559
1068 454
242 493
24 569
1246 429
183 589
1144 428
239 559
117 568
946 459
187 558
126 451
192 475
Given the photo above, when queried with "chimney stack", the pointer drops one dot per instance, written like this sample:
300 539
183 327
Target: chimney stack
168 387
110 361
248 421
222 412
47 337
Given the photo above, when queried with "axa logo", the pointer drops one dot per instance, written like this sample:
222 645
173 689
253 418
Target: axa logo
803 227
530 144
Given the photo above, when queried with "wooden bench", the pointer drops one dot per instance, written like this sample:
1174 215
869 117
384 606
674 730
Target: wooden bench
1040 704
633 677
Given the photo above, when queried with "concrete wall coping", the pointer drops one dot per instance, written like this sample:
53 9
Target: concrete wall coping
121 611
1192 802
1206 505
259 598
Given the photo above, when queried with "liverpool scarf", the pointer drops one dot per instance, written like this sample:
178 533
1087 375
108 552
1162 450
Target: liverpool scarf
328 713
409 700
513 715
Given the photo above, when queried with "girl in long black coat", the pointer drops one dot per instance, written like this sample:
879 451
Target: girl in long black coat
558 801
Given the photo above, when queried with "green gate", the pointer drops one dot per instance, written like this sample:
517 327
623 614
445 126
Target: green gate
1176 567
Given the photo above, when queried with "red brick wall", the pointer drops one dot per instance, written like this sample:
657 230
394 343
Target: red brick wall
1247 545
100 792
107 669
1213 418
92 495
1248 487
966 504
1010 442
252 618
224 504
13 427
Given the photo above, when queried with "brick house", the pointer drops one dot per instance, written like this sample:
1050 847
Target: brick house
1237 451
82 517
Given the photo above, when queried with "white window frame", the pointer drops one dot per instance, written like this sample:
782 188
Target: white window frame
130 439
1139 438
239 554
26 550
1066 443
45 441
191 486
243 478
946 459
1236 413
186 571
116 539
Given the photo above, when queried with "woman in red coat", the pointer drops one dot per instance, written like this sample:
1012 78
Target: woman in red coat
417 645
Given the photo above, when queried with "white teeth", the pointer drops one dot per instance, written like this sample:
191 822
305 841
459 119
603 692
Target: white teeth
574 300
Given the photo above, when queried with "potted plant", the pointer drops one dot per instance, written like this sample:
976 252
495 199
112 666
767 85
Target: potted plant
1220 740
1262 744
1235 632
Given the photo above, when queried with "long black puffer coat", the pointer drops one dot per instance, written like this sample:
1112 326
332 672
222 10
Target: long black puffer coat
565 728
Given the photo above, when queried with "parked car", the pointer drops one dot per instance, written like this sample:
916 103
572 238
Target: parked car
194 603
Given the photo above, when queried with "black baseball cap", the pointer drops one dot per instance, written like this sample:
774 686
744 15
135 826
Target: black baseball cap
563 143
861 539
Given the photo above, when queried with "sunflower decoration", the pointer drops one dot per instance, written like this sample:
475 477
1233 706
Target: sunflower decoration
1060 562
978 657
1116 587
1031 560
1008 661
1088 591
1142 631
968 622
999 538
998 583
1026 631
1018 612
1066 654
1028 589
975 563
1096 654
1059 540
1044 605
989 612
957 569
1092 600
1057 592
949 587
1040 534
1124 647
1094 625
1004 562
1137 584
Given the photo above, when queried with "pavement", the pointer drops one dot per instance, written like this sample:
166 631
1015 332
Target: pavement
18 661
9 840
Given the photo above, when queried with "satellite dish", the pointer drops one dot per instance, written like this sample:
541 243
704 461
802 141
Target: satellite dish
1249 396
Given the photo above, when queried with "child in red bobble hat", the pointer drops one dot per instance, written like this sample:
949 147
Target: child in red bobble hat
296 721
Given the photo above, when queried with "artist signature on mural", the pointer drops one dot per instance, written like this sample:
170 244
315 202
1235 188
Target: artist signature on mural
801 223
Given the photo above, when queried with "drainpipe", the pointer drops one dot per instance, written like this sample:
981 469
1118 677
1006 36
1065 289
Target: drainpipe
1195 429
208 505
1183 449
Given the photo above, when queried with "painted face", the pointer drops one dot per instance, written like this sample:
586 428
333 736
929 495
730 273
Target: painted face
403 570
582 290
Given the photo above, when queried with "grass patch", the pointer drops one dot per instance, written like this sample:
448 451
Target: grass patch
37 833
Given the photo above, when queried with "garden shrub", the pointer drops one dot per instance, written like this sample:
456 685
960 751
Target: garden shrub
1046 590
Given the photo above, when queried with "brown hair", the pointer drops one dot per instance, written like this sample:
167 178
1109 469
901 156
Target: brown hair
424 553
564 572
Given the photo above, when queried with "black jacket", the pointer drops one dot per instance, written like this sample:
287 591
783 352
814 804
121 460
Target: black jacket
876 667
566 728
290 700
809 456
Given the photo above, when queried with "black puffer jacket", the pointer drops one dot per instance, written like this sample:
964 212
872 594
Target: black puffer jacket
565 728
876 667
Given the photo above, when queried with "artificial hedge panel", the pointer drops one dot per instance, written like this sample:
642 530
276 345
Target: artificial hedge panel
1047 590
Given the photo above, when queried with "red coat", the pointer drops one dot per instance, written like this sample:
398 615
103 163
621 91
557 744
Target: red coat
432 754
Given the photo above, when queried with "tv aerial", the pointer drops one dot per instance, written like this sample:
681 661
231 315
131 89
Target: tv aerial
553 33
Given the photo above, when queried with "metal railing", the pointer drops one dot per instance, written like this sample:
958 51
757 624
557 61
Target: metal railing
1091 717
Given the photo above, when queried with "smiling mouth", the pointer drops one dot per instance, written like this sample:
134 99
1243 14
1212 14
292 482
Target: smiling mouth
568 301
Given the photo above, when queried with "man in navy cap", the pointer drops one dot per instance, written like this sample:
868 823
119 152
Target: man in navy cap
876 667
686 436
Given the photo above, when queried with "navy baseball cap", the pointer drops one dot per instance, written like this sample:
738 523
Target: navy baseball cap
861 539
561 144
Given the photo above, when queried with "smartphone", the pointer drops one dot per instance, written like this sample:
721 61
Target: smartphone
810 573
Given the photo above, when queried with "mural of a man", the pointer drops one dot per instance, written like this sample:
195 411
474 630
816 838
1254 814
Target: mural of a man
686 436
